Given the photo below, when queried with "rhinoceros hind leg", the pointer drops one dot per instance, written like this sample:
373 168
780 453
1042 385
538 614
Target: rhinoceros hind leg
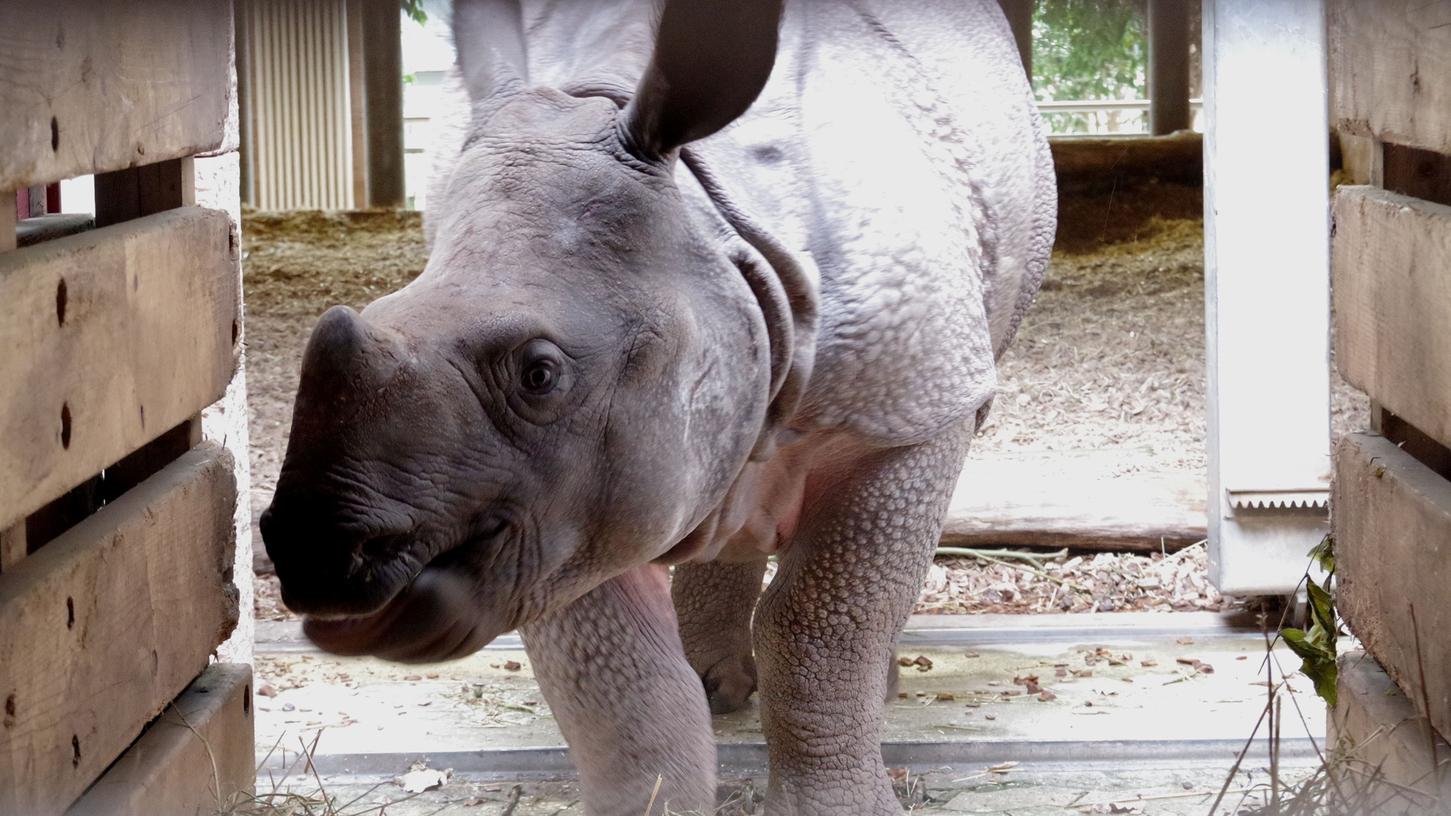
714 602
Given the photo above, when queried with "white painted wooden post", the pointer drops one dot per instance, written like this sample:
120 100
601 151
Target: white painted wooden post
1267 304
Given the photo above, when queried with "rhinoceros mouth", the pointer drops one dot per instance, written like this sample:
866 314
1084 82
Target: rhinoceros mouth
383 567
431 616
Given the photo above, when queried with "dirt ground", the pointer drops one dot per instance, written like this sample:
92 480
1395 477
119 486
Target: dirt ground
1111 355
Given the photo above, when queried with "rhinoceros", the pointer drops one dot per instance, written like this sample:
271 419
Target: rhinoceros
709 281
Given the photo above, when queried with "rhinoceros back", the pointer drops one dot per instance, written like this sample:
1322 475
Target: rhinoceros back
898 145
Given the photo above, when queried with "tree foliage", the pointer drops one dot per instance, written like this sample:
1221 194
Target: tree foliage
1089 49
414 10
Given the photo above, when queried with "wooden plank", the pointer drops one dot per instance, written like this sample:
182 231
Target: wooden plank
1167 22
1390 70
7 220
1007 502
1392 525
92 87
197 758
111 337
103 626
1385 763
136 191
34 231
1389 261
1099 165
12 546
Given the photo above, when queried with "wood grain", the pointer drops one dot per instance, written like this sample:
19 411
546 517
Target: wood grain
1073 499
1390 256
111 337
93 87
105 625
1392 523
1390 70
1389 769
197 758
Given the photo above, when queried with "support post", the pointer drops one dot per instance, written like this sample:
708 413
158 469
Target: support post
1267 298
1168 27
382 58
1020 20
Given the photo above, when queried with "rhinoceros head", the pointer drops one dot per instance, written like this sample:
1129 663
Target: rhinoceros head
568 389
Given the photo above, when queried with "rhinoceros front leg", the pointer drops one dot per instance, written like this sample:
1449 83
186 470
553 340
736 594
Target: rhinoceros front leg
631 708
826 626
715 602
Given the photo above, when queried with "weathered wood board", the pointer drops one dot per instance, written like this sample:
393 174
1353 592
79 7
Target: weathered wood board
1007 501
1391 274
1390 70
105 625
1387 767
1095 165
195 759
89 87
110 338
1392 523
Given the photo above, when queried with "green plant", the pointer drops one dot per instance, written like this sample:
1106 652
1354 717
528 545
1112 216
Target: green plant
1089 49
1316 646
414 10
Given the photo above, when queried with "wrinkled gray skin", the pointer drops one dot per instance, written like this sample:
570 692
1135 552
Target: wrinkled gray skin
643 340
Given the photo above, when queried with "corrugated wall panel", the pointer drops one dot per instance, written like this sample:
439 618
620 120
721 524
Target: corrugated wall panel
297 140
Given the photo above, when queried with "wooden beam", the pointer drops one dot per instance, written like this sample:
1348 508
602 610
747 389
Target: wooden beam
94 87
103 626
1020 20
1393 563
1392 299
12 546
202 740
136 191
383 71
1384 757
8 238
1005 501
1095 166
1168 30
1390 70
113 337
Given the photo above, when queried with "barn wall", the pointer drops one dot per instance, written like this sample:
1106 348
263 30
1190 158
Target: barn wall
120 575
297 104
1390 70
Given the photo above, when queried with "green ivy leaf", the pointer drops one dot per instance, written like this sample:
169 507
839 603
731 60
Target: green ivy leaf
1324 554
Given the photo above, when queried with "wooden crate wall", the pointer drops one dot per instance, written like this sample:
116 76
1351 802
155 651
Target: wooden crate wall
117 537
1390 75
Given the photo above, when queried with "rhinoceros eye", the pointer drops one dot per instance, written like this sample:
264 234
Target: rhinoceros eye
541 367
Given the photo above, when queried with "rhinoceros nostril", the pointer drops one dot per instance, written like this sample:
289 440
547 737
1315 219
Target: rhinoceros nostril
383 547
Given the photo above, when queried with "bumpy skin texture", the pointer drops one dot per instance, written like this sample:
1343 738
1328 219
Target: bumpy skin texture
715 601
826 626
663 326
612 668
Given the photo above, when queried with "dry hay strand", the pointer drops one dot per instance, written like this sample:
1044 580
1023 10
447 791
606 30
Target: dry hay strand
281 800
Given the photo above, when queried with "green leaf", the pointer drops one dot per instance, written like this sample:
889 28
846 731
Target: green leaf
1324 554
1322 606
1323 675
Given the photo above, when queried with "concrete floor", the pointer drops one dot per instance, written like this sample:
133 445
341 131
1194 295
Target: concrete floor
1121 715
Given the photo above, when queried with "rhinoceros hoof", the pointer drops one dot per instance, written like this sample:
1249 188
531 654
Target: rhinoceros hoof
730 683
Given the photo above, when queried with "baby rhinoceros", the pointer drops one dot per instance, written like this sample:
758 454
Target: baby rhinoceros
709 280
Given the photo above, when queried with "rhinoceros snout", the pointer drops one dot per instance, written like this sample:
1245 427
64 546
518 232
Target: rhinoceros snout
328 565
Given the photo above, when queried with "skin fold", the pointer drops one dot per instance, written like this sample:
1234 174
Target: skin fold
708 281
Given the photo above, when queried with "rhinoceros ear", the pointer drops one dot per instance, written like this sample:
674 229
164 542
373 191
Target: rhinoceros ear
489 38
711 59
